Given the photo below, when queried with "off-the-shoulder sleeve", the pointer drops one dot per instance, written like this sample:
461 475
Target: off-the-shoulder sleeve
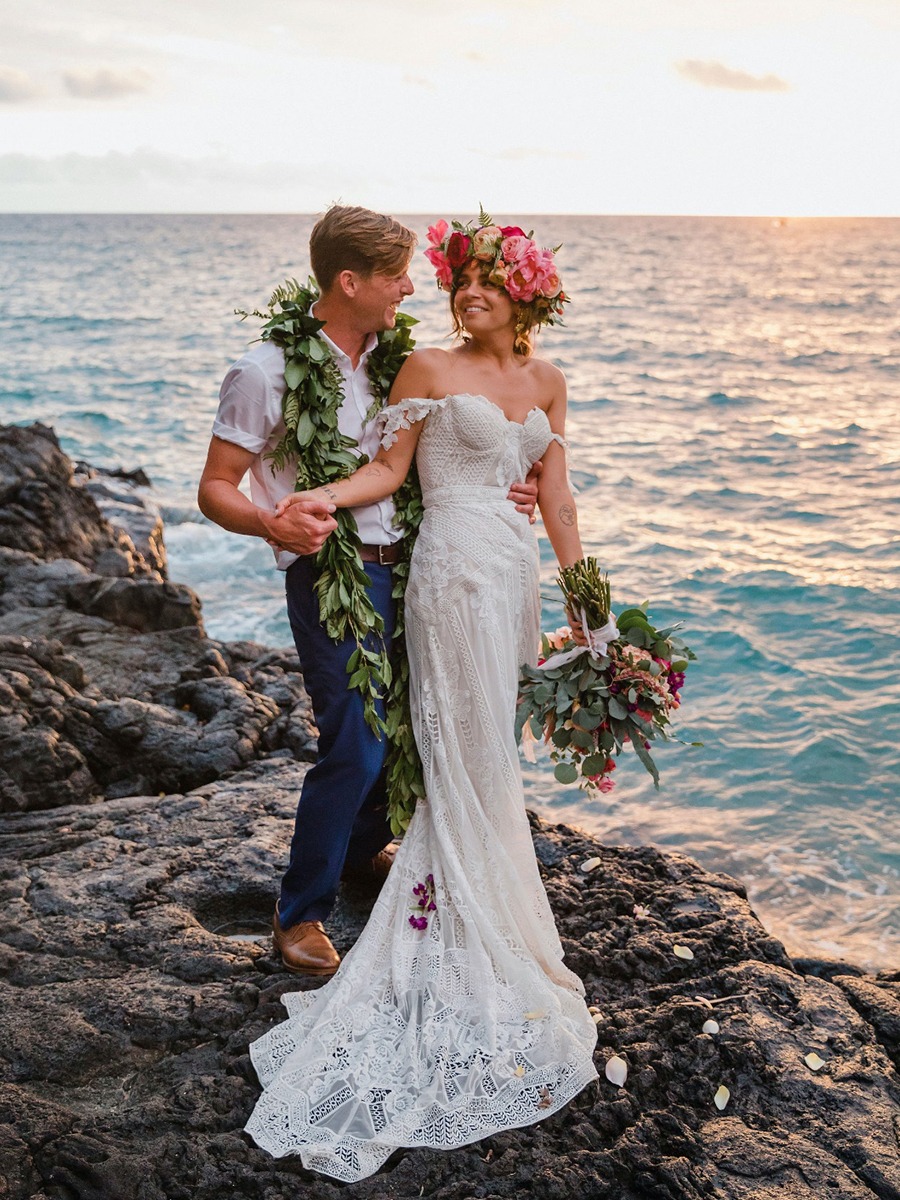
555 437
401 415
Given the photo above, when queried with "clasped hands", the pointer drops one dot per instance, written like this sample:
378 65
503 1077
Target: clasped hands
303 521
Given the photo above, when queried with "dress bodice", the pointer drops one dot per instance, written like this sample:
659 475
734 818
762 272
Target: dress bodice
468 441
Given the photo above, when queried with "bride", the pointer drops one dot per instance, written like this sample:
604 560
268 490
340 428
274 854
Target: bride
453 1016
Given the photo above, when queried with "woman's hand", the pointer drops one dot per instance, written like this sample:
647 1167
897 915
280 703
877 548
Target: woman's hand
578 634
313 501
301 523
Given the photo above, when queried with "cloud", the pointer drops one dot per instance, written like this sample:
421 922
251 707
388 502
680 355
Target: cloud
717 75
16 86
105 83
148 180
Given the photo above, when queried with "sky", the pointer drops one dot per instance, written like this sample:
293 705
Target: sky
733 107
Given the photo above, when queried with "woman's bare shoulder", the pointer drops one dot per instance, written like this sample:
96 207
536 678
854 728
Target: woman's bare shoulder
420 374
547 375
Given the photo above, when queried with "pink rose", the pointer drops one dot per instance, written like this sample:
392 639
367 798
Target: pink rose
442 268
549 282
514 247
437 232
512 231
523 279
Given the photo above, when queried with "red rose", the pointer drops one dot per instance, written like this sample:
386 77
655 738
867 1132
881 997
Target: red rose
512 231
458 249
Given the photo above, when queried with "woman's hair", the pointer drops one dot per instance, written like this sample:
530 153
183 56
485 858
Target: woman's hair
357 239
527 316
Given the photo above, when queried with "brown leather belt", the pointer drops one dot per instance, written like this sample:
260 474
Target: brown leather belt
386 555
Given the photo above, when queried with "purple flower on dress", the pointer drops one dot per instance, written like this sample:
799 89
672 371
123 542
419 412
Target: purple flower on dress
425 903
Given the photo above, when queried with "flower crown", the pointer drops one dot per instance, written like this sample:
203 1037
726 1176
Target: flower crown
509 255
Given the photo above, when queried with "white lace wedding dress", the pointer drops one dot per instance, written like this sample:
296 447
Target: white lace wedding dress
441 1036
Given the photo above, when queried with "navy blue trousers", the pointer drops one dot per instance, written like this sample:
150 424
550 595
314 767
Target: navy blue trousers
341 814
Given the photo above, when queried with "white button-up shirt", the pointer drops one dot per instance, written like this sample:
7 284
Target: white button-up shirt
250 415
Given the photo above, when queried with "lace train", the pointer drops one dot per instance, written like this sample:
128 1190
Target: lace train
443 1035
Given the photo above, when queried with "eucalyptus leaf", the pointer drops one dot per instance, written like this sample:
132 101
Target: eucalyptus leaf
594 764
566 772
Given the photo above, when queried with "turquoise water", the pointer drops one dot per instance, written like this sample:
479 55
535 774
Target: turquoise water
735 395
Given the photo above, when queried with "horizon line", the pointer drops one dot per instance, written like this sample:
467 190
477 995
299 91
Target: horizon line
761 216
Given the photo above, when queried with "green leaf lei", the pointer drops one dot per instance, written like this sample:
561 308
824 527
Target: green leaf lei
312 397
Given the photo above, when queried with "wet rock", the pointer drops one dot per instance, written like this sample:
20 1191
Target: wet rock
142 604
123 497
41 511
108 684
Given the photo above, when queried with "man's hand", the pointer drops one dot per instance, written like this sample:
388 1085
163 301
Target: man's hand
300 524
524 495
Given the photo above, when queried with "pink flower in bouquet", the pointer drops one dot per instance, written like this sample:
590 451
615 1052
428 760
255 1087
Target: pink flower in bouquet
437 232
605 785
559 637
484 242
439 261
459 248
512 231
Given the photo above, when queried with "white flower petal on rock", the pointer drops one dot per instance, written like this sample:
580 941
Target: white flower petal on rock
813 1061
721 1098
710 1026
684 952
591 864
641 911
617 1070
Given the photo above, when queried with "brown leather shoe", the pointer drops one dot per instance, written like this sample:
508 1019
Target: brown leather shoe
305 948
375 871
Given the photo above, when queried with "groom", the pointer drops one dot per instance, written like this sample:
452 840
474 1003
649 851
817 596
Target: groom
360 260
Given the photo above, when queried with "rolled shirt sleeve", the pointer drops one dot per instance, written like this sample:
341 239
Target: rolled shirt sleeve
249 410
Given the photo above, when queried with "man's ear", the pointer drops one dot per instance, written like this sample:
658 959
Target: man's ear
348 282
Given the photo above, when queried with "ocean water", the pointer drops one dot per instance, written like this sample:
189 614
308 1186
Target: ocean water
735 395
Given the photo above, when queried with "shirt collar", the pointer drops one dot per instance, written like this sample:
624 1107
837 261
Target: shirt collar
342 355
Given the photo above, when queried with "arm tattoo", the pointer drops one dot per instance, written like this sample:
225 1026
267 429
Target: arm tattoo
567 514
330 492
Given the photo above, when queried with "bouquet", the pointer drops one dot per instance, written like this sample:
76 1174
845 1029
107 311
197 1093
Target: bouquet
589 702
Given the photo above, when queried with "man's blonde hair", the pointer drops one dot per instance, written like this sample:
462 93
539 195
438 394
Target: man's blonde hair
356 239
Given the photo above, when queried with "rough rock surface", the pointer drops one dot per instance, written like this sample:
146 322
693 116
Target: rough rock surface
137 970
149 777
108 684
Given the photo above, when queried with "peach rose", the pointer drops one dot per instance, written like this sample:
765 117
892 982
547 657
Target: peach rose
484 242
